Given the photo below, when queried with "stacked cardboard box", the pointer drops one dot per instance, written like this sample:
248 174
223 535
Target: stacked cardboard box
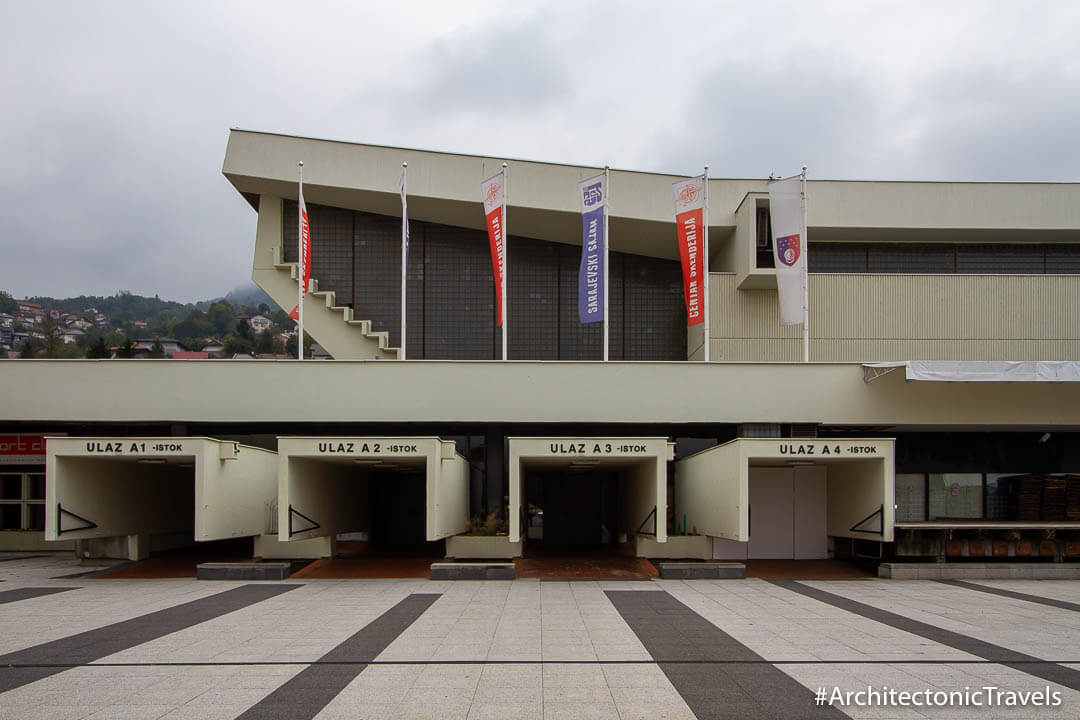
1053 498
1072 497
1029 490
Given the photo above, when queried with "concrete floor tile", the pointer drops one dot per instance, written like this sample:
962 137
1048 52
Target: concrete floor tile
513 676
573 675
449 676
492 711
579 711
577 694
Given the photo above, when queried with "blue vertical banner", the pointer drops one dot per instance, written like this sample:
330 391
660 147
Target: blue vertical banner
592 275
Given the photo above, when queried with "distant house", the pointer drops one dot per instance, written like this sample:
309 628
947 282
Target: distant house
259 323
168 345
214 349
142 350
72 335
139 324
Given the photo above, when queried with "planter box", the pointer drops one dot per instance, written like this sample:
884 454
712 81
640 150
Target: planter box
482 547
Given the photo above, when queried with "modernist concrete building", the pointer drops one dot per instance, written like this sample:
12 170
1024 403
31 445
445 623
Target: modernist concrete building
937 418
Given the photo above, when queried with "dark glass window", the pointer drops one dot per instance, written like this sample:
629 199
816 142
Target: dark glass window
998 496
987 496
993 259
910 497
376 263
36 516
837 258
36 487
451 295
763 242
11 517
534 299
1062 259
896 258
11 487
970 258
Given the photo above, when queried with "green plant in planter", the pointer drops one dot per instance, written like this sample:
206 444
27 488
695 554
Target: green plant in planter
490 525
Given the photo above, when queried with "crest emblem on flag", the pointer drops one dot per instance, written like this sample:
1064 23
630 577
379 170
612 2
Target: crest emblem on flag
687 195
492 195
788 249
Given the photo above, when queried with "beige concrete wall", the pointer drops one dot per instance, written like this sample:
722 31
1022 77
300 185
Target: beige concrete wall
904 317
451 511
334 496
711 490
638 492
855 490
238 391
120 497
233 495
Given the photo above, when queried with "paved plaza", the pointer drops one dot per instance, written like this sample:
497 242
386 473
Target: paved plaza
75 646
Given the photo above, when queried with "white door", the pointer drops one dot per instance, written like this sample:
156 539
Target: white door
810 535
772 510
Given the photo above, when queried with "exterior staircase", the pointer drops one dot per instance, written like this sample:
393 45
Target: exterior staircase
324 300
331 325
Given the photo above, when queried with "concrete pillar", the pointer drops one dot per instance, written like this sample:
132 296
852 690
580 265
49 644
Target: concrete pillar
495 457
138 547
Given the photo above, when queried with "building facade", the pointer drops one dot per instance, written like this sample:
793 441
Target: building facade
937 417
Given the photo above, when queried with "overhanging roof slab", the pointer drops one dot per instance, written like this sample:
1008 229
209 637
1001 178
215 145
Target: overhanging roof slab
244 392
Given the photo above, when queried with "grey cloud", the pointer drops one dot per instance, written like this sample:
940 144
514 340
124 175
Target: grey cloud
507 69
749 120
985 124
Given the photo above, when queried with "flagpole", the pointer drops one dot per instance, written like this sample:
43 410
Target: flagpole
300 265
705 263
806 275
404 254
506 254
607 200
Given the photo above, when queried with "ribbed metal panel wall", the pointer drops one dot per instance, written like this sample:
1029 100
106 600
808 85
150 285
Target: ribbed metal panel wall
905 317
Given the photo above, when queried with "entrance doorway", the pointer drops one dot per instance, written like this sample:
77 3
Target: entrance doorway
571 510
788 513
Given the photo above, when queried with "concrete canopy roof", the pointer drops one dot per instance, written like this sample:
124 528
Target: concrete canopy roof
444 188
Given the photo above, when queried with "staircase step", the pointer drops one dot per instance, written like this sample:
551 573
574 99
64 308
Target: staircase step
345 310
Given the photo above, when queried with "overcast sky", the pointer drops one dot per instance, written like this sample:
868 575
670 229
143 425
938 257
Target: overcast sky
116 114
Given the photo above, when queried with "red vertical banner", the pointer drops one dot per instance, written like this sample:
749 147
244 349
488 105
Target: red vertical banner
305 247
493 192
689 231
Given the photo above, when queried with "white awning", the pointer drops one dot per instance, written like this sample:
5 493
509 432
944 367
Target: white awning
979 370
